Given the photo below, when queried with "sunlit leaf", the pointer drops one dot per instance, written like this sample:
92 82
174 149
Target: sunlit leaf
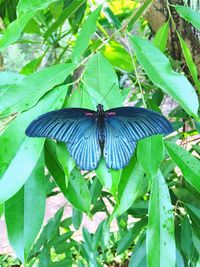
84 35
189 14
158 68
160 39
26 94
66 13
103 83
109 178
22 220
189 61
131 182
14 30
118 56
25 6
160 232
150 153
188 164
18 153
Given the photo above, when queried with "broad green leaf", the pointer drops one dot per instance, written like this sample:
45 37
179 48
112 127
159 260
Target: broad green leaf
26 94
160 232
103 83
150 153
66 13
18 153
109 178
8 77
189 14
160 39
186 238
14 30
118 56
22 219
84 35
158 68
65 160
25 6
131 182
188 164
189 61
77 191
54 166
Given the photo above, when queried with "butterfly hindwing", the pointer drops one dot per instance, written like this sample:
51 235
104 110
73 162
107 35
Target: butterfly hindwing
117 149
77 128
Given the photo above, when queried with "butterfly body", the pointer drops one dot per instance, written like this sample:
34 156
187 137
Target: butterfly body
89 134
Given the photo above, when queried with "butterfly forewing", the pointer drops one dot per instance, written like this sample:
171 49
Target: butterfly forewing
138 123
74 126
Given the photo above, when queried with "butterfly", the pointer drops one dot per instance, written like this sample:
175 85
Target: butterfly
88 134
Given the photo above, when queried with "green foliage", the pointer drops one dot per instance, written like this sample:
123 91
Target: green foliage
84 54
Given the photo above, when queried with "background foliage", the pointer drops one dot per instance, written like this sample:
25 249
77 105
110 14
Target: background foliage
60 53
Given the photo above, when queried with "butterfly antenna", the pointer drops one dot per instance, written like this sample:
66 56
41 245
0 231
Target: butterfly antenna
88 94
108 92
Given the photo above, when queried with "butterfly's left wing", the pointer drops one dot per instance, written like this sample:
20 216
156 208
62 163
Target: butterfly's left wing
124 127
77 128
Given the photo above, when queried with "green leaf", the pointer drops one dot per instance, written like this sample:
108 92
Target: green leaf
103 82
138 257
1 209
77 191
77 218
157 67
66 13
85 34
186 238
8 77
25 6
189 61
18 153
26 94
117 56
65 160
14 30
130 185
130 236
188 164
160 232
109 178
189 14
160 39
150 153
32 66
22 220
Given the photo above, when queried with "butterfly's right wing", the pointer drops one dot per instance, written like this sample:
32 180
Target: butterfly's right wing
74 126
124 127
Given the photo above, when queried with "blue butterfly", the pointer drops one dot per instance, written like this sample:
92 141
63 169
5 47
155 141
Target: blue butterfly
88 133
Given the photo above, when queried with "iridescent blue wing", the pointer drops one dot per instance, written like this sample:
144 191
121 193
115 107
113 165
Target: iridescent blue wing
74 126
124 127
